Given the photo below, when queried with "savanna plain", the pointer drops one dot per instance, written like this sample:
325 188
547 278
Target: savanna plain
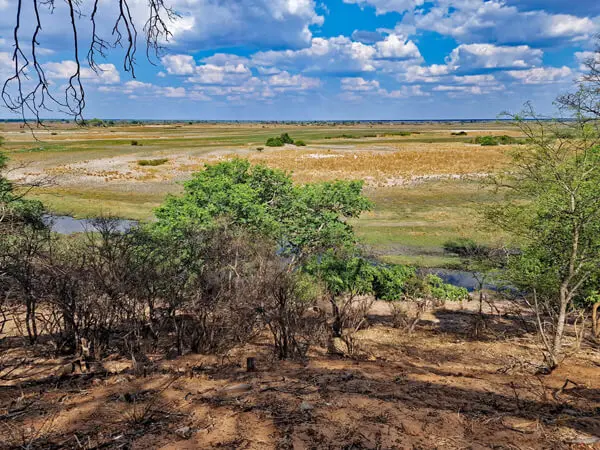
465 376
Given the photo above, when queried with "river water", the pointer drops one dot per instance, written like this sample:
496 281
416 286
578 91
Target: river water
70 225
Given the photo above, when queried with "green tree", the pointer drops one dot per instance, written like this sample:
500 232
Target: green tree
302 218
553 212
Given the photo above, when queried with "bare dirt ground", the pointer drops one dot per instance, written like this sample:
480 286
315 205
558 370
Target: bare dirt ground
440 388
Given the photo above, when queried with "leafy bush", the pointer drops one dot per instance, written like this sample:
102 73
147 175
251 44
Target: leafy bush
300 143
486 141
495 140
390 282
444 291
274 142
152 162
279 141
286 139
505 140
95 123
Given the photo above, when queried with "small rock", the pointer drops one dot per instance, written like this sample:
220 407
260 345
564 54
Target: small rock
184 432
412 427
305 407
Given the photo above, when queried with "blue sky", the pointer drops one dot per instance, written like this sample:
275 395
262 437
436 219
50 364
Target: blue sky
330 59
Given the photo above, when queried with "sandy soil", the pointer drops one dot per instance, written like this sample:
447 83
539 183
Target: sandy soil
440 388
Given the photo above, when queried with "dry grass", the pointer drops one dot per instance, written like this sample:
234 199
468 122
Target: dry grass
377 167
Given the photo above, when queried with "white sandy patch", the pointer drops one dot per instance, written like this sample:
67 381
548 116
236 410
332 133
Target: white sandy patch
321 156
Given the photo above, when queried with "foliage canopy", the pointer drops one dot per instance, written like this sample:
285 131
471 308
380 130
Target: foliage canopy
301 218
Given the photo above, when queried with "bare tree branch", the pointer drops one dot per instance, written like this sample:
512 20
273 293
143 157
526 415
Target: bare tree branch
27 91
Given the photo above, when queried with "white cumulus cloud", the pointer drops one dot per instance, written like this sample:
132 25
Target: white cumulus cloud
542 75
179 64
107 73
226 23
285 81
359 84
473 21
490 56
386 6
397 47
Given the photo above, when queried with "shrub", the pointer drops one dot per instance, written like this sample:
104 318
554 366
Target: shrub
274 142
152 162
390 282
95 123
291 314
504 140
279 141
443 291
496 140
286 139
300 144
486 141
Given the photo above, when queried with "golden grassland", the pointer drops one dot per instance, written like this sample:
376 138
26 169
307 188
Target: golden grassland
399 162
